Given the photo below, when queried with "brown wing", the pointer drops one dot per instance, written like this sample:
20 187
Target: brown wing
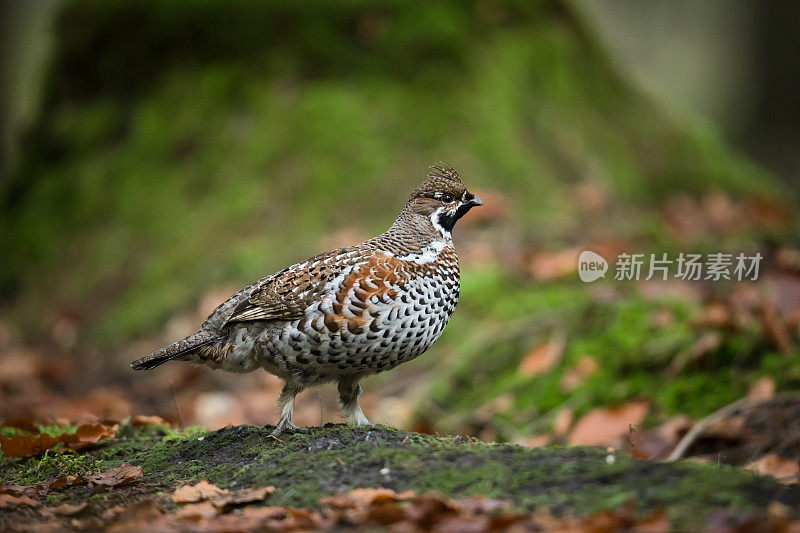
286 295
283 296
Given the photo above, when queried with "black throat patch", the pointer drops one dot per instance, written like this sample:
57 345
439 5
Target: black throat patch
448 221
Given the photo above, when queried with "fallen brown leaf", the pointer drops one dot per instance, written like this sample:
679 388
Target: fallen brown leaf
196 511
137 517
40 489
67 509
197 492
542 358
298 519
483 505
776 466
65 481
770 212
338 501
142 420
87 434
364 496
18 490
23 424
589 196
535 441
602 426
112 513
563 421
657 522
363 505
504 521
463 524
775 330
114 477
428 509
715 315
788 259
265 513
545 266
385 512
577 373
9 501
500 404
370 508
27 445
762 389
240 497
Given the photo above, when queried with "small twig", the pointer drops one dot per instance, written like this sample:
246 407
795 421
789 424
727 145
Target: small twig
697 430
277 439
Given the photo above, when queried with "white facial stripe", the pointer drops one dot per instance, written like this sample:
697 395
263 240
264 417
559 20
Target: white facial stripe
435 222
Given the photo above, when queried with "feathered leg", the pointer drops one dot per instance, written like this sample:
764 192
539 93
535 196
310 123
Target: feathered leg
286 408
349 391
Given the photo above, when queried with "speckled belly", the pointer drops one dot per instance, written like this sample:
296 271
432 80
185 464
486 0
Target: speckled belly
351 337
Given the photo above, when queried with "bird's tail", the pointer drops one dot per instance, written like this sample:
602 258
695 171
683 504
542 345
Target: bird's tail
171 351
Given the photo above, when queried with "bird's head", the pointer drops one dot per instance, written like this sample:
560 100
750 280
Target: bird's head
442 198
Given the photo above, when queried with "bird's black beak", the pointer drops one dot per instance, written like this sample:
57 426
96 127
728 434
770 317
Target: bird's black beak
472 200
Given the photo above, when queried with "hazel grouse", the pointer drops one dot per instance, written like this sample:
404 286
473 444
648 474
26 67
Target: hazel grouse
344 314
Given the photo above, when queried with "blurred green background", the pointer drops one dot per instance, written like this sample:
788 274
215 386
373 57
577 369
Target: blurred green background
157 154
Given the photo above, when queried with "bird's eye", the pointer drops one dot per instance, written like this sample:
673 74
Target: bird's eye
447 198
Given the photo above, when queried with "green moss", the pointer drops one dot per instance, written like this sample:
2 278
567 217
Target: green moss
57 429
336 459
12 432
49 465
333 459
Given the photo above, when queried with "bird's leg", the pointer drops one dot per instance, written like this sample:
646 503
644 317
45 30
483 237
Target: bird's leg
286 408
349 391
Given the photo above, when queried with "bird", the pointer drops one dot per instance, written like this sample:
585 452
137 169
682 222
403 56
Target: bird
345 314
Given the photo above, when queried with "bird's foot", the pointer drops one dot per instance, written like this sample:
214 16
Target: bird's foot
287 426
358 419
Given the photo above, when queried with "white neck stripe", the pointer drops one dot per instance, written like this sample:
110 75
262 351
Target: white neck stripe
435 221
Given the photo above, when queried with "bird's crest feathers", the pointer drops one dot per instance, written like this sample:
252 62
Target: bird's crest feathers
444 171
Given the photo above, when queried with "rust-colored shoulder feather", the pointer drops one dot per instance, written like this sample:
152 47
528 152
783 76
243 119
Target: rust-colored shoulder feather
286 294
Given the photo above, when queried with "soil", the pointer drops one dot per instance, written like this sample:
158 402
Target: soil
334 459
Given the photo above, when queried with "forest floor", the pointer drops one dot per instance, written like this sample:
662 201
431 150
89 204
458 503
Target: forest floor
350 477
